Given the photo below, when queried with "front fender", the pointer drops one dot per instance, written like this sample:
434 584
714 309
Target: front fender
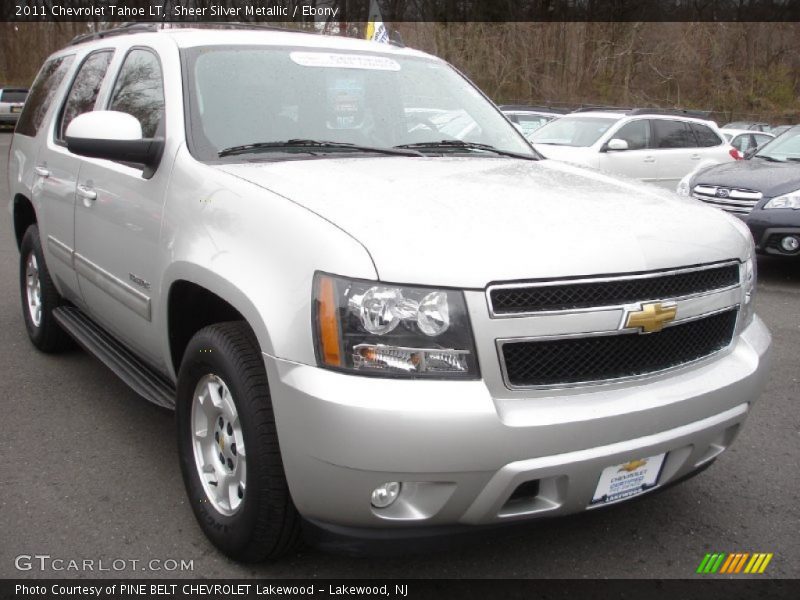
256 250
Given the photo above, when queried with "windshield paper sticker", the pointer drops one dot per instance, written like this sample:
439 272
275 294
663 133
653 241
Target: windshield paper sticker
345 61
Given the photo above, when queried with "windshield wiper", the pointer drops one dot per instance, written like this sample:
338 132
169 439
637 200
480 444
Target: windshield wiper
302 143
769 158
460 144
793 158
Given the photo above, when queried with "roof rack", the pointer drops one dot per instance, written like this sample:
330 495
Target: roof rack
598 108
678 112
123 29
522 107
395 39
139 27
700 114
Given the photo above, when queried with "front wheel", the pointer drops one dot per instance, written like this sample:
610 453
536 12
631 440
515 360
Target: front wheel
39 296
228 446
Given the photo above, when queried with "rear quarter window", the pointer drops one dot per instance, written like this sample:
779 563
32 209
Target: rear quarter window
705 136
41 95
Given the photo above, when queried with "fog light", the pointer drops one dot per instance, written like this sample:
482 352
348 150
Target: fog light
790 243
384 495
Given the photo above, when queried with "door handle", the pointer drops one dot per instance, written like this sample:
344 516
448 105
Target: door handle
86 193
649 159
695 157
41 172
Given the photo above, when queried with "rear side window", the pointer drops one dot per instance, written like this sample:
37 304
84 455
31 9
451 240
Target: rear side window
672 134
13 95
85 87
705 136
139 91
41 95
636 133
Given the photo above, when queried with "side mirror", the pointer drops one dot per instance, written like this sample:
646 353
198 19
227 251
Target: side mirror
116 136
616 144
750 152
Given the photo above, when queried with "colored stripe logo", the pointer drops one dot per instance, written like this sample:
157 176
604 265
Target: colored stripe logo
734 563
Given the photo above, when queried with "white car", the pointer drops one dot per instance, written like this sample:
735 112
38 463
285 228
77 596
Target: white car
746 139
655 146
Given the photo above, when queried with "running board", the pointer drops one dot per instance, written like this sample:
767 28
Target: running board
142 379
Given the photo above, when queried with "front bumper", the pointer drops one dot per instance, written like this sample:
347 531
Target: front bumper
462 453
770 226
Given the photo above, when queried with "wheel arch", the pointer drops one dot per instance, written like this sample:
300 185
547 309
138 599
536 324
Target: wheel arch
197 297
24 216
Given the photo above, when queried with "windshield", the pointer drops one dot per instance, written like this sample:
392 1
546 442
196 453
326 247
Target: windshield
260 96
783 148
572 131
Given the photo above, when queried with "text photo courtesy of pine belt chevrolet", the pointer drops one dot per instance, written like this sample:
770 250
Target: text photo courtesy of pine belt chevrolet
652 145
358 316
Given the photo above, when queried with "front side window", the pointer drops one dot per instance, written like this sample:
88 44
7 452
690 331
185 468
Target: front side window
636 133
41 95
85 87
673 134
242 95
573 131
139 91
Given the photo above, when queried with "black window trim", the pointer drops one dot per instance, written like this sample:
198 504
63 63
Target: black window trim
57 124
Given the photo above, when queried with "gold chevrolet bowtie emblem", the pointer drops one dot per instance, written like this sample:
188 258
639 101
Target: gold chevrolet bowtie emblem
632 466
652 317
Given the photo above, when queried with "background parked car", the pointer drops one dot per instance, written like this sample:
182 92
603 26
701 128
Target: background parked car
776 131
11 102
744 140
749 125
529 118
648 144
763 191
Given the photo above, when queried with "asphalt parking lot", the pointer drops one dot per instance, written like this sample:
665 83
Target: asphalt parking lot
88 470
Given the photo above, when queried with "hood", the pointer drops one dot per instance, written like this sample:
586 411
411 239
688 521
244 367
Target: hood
770 178
465 222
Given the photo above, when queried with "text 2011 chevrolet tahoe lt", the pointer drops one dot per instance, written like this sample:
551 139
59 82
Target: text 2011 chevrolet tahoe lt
375 309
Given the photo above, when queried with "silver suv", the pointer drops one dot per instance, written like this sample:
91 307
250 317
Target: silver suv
363 322
11 102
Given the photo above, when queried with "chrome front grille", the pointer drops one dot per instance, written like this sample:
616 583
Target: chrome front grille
597 330
516 299
592 358
733 200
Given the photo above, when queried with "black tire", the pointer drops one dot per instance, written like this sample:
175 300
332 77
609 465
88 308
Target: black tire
266 524
47 336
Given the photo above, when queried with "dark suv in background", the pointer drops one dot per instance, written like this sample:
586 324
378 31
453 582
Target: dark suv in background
763 190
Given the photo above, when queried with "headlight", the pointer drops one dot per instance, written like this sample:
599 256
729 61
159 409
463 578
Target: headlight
374 328
683 188
790 200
